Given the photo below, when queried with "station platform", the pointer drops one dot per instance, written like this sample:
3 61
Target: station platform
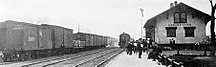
124 60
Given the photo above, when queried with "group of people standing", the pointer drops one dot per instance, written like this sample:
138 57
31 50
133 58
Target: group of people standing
172 43
144 45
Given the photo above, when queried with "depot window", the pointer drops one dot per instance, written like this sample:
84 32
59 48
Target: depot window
171 31
176 17
189 31
180 17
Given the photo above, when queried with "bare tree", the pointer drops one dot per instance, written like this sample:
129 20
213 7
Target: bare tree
212 26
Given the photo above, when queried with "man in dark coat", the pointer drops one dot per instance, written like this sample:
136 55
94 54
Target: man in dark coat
130 48
144 45
172 43
155 52
139 47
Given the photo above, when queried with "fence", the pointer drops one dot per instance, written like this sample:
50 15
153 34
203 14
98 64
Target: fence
168 62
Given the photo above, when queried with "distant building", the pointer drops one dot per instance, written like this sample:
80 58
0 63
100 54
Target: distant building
181 22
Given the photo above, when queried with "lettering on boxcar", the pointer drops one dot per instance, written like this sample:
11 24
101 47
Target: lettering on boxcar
31 38
30 35
16 27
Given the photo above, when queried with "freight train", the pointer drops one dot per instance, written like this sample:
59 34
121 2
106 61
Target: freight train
112 42
124 39
22 41
90 40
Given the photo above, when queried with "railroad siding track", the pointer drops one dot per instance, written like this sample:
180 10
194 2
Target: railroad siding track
100 60
94 58
107 60
42 60
52 62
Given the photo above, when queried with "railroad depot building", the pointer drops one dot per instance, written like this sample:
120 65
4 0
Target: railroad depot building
184 24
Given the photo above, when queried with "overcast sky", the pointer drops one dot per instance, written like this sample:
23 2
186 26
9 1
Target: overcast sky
104 17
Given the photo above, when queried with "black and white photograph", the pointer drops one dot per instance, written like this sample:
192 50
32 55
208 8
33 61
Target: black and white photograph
107 33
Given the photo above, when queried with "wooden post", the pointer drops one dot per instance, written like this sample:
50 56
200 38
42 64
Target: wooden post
212 26
166 61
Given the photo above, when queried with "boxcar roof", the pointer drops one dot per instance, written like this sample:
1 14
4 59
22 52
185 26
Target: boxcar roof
16 22
87 33
55 26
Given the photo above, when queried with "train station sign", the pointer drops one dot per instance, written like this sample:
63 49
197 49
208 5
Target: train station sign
179 24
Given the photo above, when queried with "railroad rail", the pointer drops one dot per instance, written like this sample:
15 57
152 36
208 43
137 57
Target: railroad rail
99 60
81 60
52 62
102 64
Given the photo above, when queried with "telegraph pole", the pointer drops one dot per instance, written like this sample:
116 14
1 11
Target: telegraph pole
142 16
78 27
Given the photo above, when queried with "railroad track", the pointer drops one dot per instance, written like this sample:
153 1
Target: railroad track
99 61
58 60
76 61
48 60
106 61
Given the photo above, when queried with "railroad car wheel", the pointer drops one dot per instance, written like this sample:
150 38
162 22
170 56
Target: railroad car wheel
49 53
19 57
14 56
38 54
53 52
22 56
6 57
28 56
33 55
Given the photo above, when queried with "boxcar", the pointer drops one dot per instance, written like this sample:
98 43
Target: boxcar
18 40
22 41
61 36
68 38
18 36
112 42
91 40
80 39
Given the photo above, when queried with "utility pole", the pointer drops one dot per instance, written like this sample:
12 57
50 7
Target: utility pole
212 27
142 16
78 27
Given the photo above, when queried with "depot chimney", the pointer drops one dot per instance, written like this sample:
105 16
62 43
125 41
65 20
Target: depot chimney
175 3
171 5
